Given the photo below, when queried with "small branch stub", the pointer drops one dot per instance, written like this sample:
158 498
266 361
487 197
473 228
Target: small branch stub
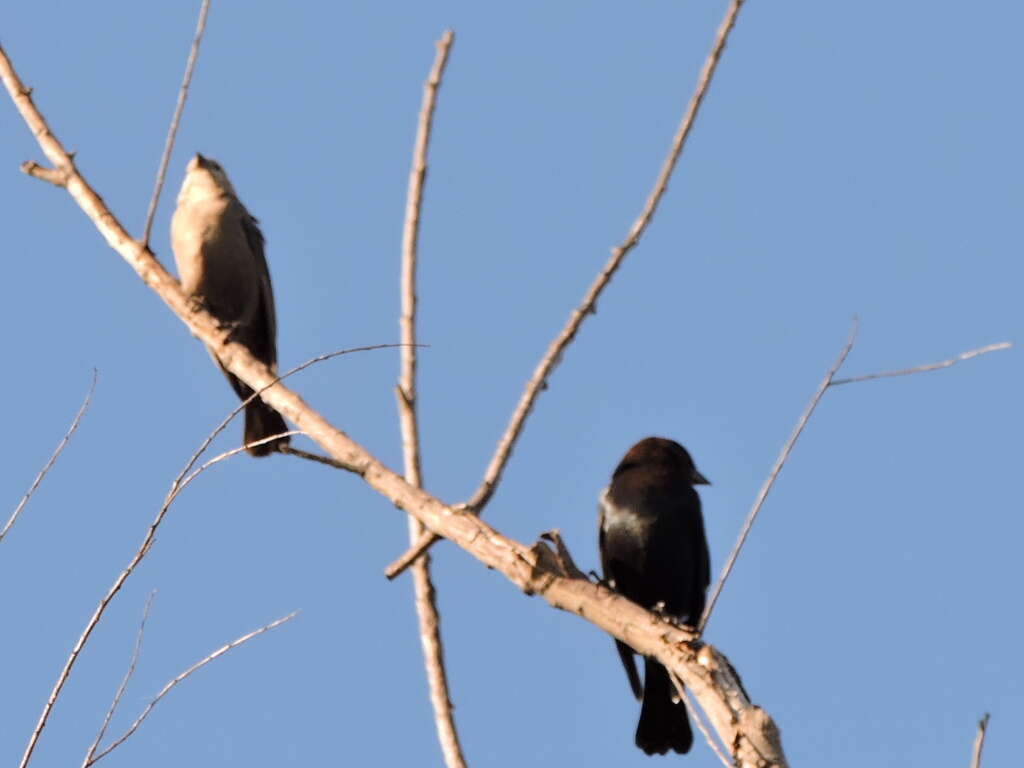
55 176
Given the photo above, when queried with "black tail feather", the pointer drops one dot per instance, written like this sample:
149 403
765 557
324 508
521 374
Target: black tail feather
664 724
626 654
263 421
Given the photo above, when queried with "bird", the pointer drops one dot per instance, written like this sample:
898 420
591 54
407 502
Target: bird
219 252
654 552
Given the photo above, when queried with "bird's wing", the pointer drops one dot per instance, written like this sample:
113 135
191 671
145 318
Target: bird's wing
602 501
254 237
625 652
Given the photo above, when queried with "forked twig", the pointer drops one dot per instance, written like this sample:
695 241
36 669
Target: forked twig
779 463
170 684
124 683
826 383
172 130
53 458
930 367
538 381
182 481
425 597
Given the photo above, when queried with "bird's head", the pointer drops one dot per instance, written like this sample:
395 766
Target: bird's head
660 453
204 178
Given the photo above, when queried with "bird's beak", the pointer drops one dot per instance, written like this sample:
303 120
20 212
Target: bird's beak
699 479
198 162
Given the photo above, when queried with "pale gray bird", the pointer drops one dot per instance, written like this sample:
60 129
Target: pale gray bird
218 248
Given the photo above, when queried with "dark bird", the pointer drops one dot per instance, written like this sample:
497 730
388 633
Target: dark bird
218 248
654 551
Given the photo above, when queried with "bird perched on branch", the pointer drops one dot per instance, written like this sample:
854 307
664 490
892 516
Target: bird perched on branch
218 248
654 551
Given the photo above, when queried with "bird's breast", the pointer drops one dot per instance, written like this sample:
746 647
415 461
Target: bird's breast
624 520
198 234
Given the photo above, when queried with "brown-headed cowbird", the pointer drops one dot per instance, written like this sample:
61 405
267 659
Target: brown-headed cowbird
654 551
218 248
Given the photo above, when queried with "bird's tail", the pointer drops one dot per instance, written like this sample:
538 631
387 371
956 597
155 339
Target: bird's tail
262 421
664 724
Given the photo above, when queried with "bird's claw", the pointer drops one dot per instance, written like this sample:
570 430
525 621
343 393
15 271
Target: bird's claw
662 613
228 325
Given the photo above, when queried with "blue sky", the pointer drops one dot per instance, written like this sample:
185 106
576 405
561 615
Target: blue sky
850 159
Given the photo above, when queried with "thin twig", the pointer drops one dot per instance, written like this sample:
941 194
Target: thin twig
410 252
316 457
53 458
180 483
167 688
930 367
172 130
124 683
699 720
425 597
979 742
298 452
779 463
538 382
331 356
828 382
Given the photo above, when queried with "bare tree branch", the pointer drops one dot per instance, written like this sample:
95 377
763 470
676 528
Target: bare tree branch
180 483
779 463
930 367
826 383
748 731
547 364
410 243
532 569
53 458
538 382
979 742
172 130
425 597
124 683
167 688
